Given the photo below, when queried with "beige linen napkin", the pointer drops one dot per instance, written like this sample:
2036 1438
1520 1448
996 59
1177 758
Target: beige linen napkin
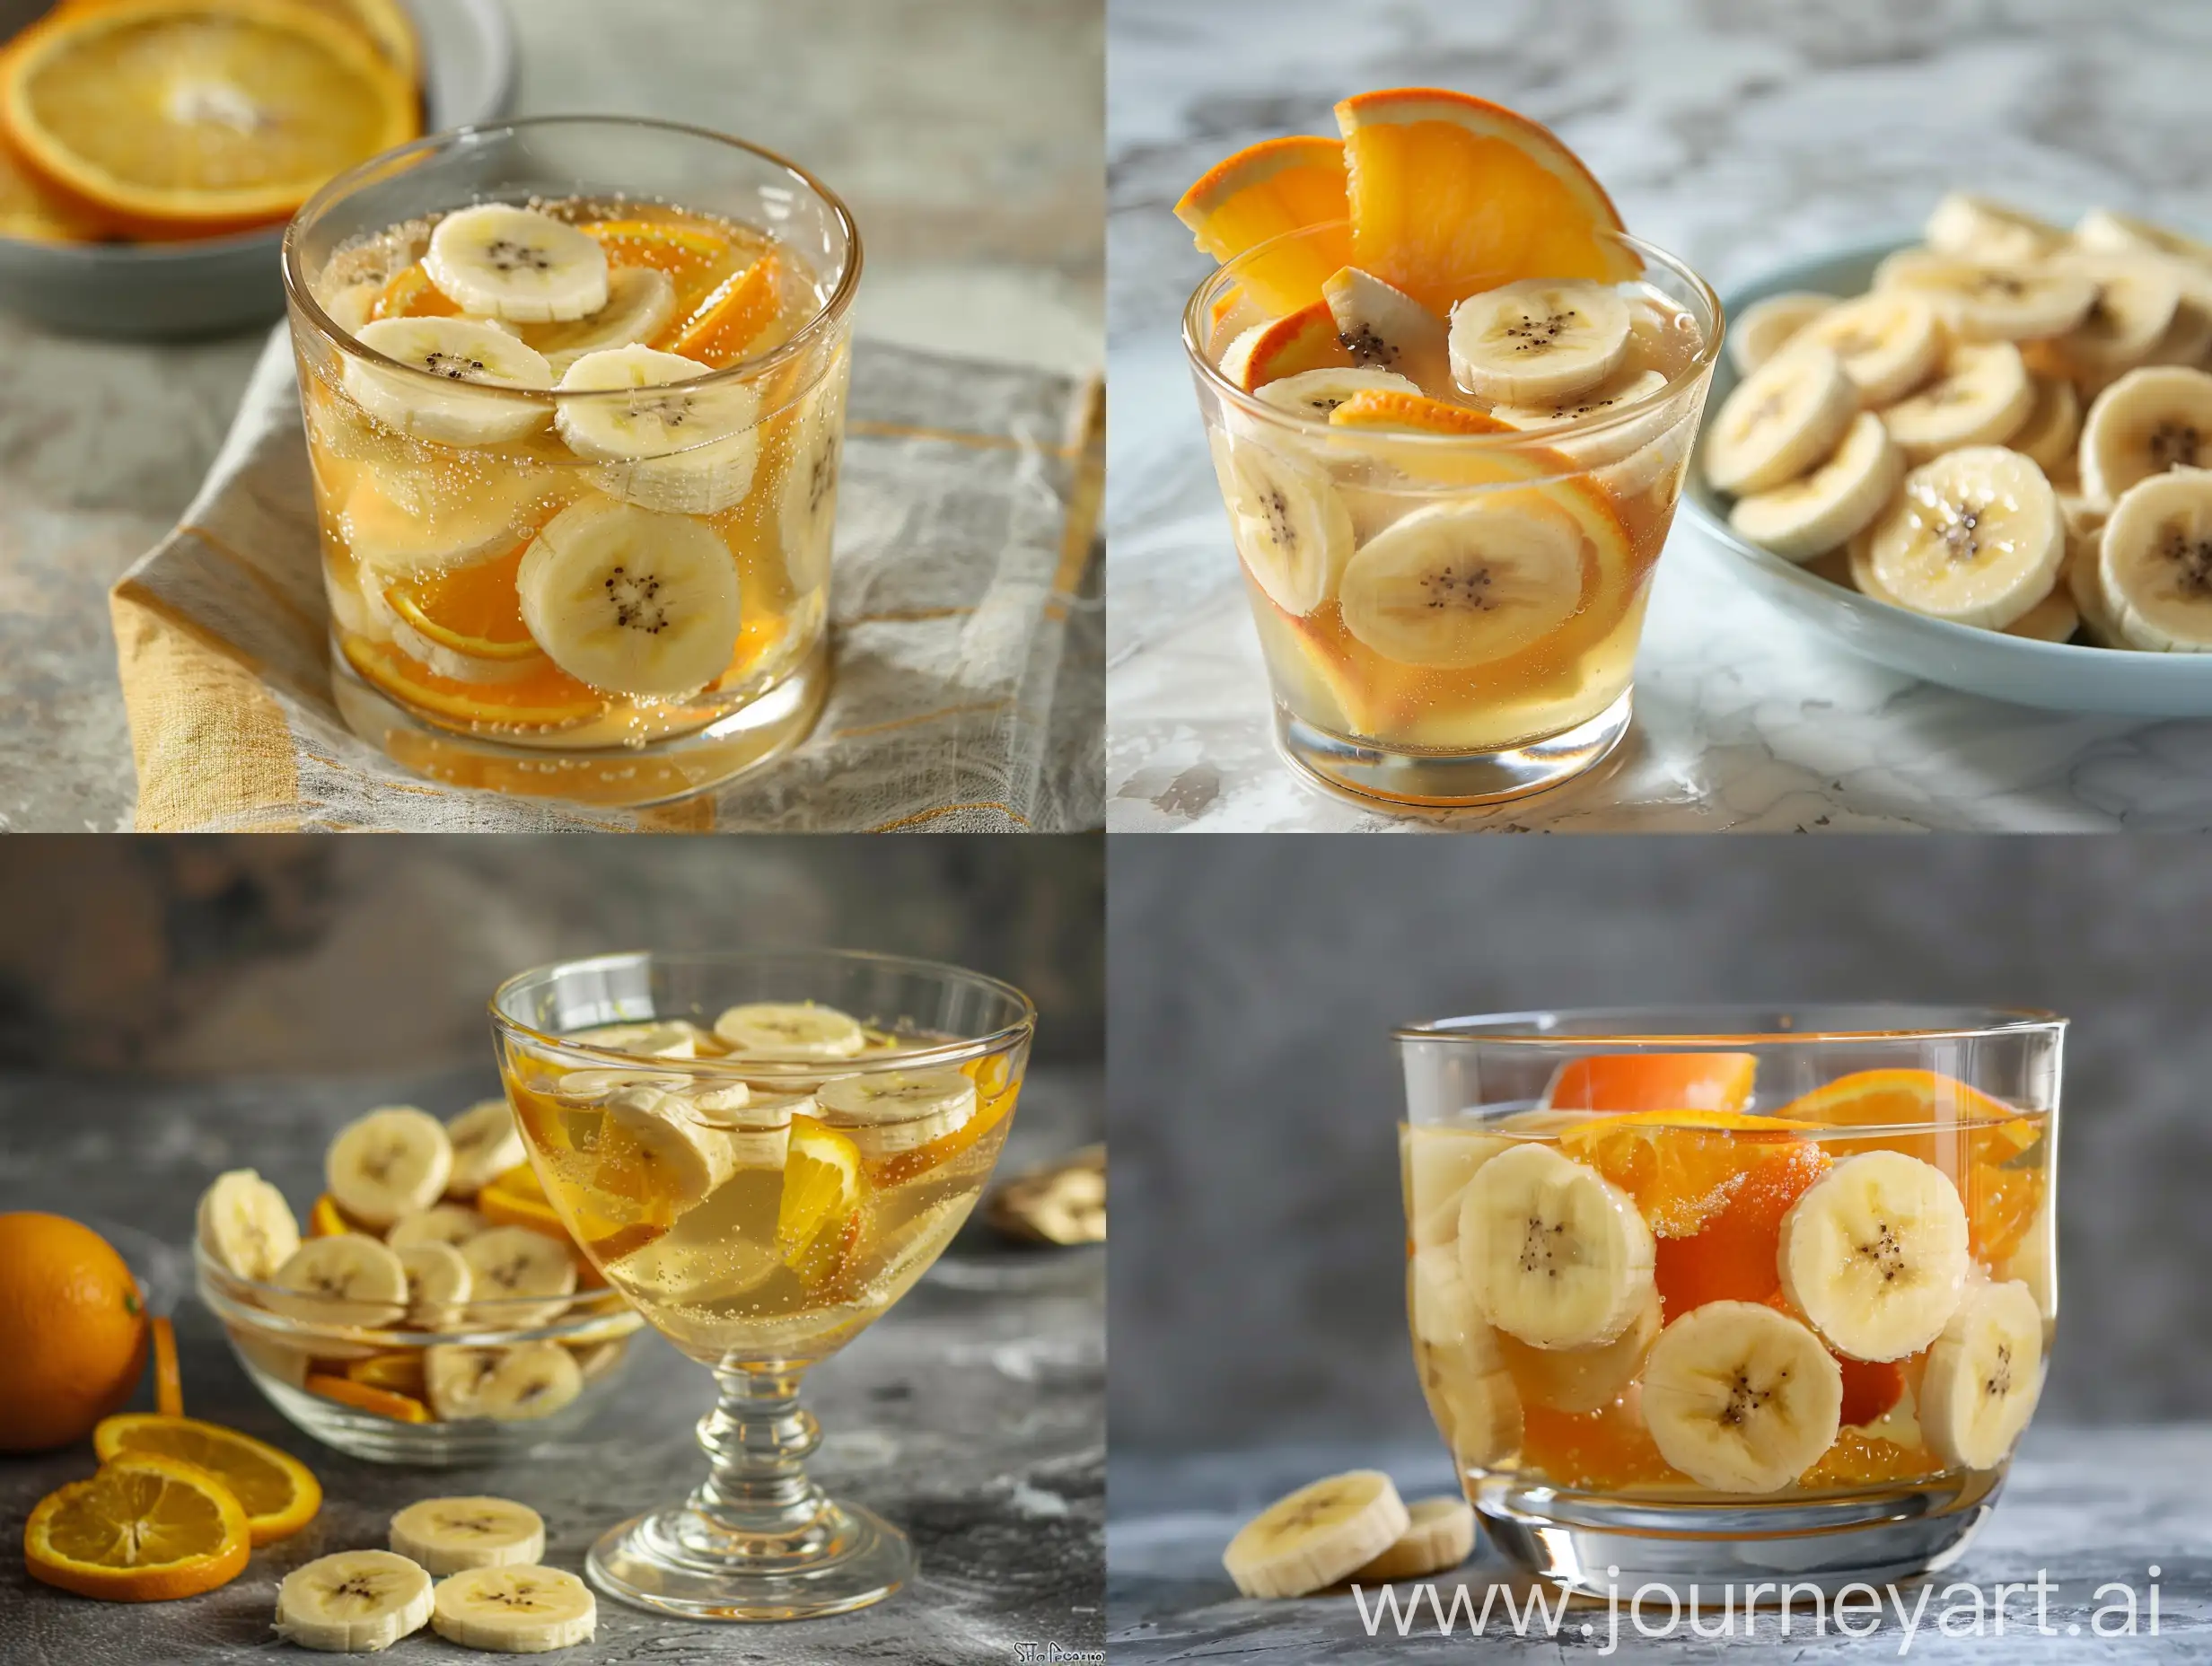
967 626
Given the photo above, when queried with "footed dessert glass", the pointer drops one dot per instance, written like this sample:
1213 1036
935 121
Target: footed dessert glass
575 393
1716 1293
762 1152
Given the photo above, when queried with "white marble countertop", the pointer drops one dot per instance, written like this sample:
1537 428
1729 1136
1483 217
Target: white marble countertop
1739 137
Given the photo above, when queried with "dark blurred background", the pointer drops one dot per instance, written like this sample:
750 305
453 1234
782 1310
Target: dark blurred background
1253 1093
243 956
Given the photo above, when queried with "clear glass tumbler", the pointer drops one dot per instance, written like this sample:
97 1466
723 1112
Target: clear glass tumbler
762 1152
1404 668
474 493
1724 1292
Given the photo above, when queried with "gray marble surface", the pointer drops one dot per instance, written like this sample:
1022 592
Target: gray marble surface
2084 1506
964 134
1738 136
973 1415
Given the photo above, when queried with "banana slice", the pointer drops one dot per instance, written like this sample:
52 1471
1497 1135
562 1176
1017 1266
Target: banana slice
399 542
2148 421
1984 1376
790 1031
458 353
1552 1251
1317 392
1890 341
1436 1163
1539 339
1981 397
1383 328
2052 427
1582 1380
897 1111
814 453
1875 1255
1317 1536
2085 583
510 1264
2110 229
438 1283
1465 584
355 1603
676 1037
510 1384
451 1223
1628 386
591 1087
348 1278
2054 619
655 1133
1741 1399
501 261
389 1163
515 1610
485 1141
1463 1375
685 451
2033 1264
1760 331
629 599
1826 509
1440 1534
1974 536
640 302
2137 297
1780 421
246 1225
1290 523
448 1535
2156 563
1980 300
1976 227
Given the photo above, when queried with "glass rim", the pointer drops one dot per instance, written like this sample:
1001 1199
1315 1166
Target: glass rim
1640 1026
736 1066
301 295
1195 328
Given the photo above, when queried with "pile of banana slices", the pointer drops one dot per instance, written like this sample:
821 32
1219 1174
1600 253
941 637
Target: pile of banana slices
396 1241
490 1591
2008 430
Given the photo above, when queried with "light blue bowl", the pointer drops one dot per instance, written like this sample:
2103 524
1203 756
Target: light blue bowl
2059 677
163 292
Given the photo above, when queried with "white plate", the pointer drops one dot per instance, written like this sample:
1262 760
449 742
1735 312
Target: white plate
152 291
2059 677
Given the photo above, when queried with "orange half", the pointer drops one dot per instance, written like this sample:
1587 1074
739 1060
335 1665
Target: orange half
1647 1082
1263 192
1451 195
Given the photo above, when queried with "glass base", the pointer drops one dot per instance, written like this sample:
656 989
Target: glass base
1598 1545
617 776
1434 780
678 1561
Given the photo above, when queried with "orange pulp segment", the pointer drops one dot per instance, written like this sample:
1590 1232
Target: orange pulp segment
1383 407
1263 192
1450 195
545 699
690 255
1609 1448
168 1380
1684 1178
820 1200
408 292
278 1493
731 320
474 610
363 1396
1732 1254
1857 1458
1870 1388
145 1529
1653 1082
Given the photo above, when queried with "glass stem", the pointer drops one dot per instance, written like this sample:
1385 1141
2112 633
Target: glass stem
758 1439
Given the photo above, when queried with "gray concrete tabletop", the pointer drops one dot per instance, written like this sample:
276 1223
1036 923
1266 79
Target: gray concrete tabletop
2090 1509
965 134
973 1415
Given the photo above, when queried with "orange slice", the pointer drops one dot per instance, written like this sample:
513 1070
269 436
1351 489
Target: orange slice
1642 1082
818 1216
385 23
544 699
363 1396
145 1529
1305 341
194 118
1609 1448
1382 407
1684 1178
1450 195
690 255
732 321
408 292
474 610
30 210
168 1381
995 1092
400 1372
325 1219
515 1199
279 1494
1263 192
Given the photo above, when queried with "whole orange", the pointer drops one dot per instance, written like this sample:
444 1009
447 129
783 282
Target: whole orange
73 1331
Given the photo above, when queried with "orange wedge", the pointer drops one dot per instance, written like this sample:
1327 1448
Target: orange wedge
325 1219
545 699
363 1396
474 610
1305 340
278 1493
1450 195
178 119
408 292
1382 407
1276 186
733 321
145 1529
1639 1081
168 1381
